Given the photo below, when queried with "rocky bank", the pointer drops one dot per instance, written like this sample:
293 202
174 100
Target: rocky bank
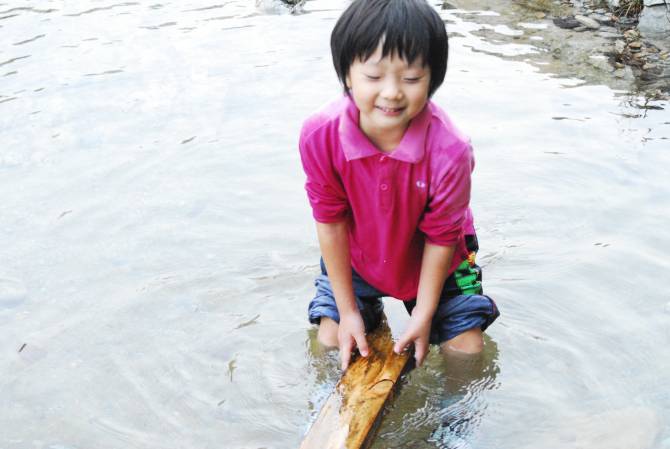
585 39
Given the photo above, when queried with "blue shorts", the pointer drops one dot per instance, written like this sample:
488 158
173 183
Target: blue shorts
462 307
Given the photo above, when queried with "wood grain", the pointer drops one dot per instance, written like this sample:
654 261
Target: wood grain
348 418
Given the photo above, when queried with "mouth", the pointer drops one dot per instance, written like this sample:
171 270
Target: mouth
390 111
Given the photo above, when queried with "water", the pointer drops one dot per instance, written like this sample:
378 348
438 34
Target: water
157 249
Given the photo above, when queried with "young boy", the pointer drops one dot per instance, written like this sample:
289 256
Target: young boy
388 179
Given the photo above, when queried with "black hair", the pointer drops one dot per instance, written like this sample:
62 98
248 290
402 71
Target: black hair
412 29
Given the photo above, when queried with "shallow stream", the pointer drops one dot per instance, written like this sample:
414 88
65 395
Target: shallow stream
157 251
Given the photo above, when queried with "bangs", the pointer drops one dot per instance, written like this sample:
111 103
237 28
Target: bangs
400 33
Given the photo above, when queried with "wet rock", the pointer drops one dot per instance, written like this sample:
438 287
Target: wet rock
654 20
627 21
619 46
566 22
581 28
625 74
609 34
280 6
588 22
619 65
648 75
631 35
602 19
600 62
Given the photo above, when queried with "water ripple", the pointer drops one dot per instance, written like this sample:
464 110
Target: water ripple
103 8
220 18
158 27
107 72
29 9
9 61
30 40
207 8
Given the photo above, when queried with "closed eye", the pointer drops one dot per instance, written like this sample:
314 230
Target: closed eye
372 77
413 80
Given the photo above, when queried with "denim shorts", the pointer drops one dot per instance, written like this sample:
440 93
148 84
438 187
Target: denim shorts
462 306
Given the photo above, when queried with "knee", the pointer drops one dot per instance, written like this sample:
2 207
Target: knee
469 342
327 335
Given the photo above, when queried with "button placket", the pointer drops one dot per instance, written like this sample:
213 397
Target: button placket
385 191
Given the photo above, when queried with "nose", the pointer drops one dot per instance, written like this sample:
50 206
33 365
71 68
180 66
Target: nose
391 89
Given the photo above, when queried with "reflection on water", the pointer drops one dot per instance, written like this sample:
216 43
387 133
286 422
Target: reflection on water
442 403
157 253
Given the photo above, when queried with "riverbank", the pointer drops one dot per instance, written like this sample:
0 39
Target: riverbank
645 52
572 39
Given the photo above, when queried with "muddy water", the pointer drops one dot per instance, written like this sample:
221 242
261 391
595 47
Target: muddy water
157 249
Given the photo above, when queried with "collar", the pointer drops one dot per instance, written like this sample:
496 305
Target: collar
356 145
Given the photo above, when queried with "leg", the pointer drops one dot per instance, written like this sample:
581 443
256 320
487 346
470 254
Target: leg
469 342
328 333
371 313
466 379
322 309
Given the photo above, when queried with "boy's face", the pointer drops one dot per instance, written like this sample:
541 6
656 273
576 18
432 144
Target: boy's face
389 92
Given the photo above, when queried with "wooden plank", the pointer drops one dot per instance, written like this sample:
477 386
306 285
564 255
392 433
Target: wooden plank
352 410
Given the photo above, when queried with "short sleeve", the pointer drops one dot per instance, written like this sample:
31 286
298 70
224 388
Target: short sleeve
447 209
324 188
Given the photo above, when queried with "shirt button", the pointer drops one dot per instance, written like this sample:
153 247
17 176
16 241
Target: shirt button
382 158
384 187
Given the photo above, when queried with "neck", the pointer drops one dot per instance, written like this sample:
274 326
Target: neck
384 140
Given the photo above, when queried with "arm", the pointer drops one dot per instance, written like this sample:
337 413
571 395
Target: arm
334 243
442 225
435 265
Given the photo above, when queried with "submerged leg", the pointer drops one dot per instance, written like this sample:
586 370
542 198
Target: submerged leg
470 369
328 332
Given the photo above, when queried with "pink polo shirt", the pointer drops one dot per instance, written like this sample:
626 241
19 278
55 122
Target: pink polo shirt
393 201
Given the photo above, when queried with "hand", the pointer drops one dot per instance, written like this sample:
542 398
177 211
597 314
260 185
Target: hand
417 332
351 333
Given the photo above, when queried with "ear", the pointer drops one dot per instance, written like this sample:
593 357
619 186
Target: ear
347 81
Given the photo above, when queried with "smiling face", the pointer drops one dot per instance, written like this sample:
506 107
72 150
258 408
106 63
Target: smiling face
389 92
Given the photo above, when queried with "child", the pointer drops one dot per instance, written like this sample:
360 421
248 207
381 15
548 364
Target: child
388 179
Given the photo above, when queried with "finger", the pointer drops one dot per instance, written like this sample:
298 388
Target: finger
420 350
362 344
345 354
401 345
